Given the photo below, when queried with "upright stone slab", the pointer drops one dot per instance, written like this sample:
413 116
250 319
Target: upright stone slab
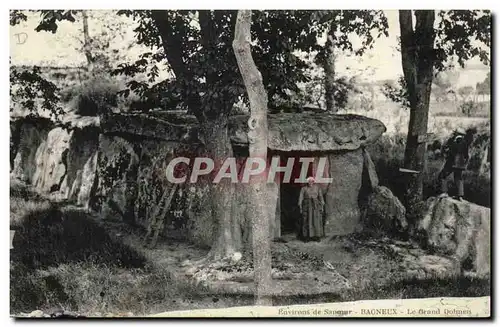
116 189
341 199
32 133
81 164
51 161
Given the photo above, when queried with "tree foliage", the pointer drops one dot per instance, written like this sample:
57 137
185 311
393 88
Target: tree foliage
460 35
484 87
208 65
397 92
466 92
31 91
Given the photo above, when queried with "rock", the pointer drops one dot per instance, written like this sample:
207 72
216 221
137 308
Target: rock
369 169
51 159
31 134
384 213
459 229
236 257
152 178
437 265
312 131
81 165
36 314
342 209
87 177
116 189
166 127
287 131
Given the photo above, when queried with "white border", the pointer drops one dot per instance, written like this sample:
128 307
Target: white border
282 4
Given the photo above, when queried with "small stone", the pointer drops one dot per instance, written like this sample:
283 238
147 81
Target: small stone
36 314
109 315
236 257
191 271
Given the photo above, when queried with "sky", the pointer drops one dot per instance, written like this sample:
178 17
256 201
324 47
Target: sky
60 49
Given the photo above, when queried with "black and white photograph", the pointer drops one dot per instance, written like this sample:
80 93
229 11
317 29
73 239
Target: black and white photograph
250 163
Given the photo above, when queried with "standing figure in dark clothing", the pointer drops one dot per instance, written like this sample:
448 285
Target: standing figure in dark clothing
456 152
311 204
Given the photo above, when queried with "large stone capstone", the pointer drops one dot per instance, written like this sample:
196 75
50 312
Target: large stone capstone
312 131
315 132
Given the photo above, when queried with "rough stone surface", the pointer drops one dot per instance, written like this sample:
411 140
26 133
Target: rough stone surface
86 182
32 133
151 178
81 164
341 198
201 226
116 164
312 131
161 127
287 131
116 188
370 170
51 166
15 128
459 229
384 213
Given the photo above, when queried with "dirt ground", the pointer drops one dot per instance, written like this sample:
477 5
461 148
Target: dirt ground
331 268
113 274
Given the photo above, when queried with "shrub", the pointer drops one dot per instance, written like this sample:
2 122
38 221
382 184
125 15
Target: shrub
47 236
94 96
470 107
388 156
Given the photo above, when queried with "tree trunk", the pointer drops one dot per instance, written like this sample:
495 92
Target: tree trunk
86 41
329 68
417 54
218 147
257 135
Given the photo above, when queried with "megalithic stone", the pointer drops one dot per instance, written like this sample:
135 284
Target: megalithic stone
369 166
12 233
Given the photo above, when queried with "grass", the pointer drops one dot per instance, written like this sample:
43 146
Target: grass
406 289
93 96
443 117
62 259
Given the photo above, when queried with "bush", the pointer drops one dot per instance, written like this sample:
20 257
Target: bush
97 95
470 107
47 236
388 156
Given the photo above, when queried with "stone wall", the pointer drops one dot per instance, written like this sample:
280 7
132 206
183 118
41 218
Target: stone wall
117 167
29 135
